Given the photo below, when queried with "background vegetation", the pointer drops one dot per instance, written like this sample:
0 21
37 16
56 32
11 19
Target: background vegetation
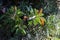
29 20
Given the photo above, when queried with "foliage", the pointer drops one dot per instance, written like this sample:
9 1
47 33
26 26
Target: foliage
25 19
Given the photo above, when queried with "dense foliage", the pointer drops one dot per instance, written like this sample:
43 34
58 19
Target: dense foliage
18 18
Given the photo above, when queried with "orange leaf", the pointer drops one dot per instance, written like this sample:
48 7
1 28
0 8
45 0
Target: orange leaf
42 21
40 11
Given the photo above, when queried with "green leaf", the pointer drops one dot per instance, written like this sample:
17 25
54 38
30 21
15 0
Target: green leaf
35 22
30 23
22 31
